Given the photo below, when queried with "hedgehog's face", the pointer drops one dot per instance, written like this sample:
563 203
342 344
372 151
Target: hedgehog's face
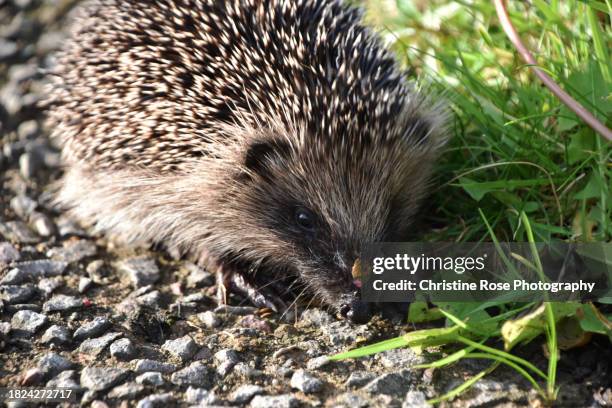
315 208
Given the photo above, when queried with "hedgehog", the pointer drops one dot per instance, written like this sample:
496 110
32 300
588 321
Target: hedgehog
271 140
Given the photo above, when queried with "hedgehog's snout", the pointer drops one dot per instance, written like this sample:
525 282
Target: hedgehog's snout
355 310
351 306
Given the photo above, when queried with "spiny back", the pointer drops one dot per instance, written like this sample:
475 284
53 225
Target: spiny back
153 83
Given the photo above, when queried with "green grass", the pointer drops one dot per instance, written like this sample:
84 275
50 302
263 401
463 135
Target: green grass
520 166
471 326
514 147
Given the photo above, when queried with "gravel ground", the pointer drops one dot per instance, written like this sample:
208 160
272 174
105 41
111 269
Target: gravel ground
137 327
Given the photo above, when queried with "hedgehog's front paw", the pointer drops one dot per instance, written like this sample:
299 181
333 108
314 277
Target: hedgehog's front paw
261 297
231 280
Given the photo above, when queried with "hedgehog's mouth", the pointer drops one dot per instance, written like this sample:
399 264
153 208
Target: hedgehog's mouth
342 293
352 307
355 310
345 300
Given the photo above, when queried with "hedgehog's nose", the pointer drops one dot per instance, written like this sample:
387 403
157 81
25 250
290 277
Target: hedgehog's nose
356 311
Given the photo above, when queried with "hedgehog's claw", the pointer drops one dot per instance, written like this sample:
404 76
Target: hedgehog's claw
236 282
258 297
222 284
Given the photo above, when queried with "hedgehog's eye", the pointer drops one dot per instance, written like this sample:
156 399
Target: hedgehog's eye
305 219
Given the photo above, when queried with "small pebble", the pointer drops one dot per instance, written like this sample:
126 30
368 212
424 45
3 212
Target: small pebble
65 379
403 357
141 291
68 227
352 400
84 284
242 332
96 346
27 129
58 335
127 391
415 399
10 96
51 159
28 165
141 271
23 205
144 365
20 73
195 374
53 363
317 362
276 401
156 401
183 347
209 319
101 378
48 285
286 350
42 267
342 333
92 329
306 382
8 49
151 299
8 254
244 370
284 372
390 384
42 224
225 360
153 378
12 151
359 379
51 41
245 393
199 396
61 303
97 271
203 354
18 231
88 396
14 276
315 317
311 347
73 251
254 322
226 355
28 322
5 328
122 349
16 294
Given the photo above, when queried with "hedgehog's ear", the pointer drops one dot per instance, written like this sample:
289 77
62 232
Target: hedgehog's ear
424 123
262 154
